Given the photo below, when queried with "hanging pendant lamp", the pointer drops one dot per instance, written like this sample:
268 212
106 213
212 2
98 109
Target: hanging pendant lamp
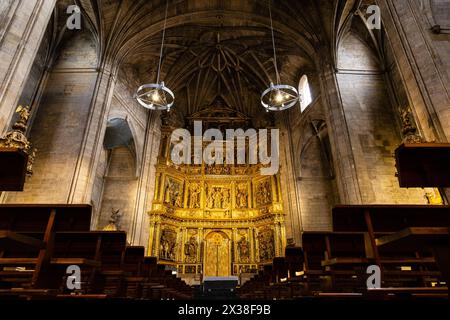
156 96
278 97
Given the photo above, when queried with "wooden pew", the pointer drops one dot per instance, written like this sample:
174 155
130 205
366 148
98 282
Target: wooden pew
97 253
381 221
26 238
336 261
416 239
111 278
133 270
161 284
279 286
314 249
295 261
260 286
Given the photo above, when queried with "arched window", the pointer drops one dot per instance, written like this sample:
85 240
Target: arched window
305 93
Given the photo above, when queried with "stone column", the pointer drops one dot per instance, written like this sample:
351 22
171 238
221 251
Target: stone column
344 162
23 26
147 186
425 72
84 176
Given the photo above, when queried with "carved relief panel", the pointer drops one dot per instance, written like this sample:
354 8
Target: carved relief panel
266 244
167 244
263 192
173 192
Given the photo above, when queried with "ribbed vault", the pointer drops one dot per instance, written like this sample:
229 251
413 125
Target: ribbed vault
214 47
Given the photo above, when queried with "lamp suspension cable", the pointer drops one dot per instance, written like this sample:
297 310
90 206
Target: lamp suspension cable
280 96
156 96
162 42
273 44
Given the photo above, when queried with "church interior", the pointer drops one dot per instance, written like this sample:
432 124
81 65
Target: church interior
348 101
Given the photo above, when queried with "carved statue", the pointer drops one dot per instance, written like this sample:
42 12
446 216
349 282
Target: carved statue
408 128
242 196
263 195
244 250
194 200
226 199
16 137
190 250
24 114
114 221
217 196
178 199
167 193
173 194
266 247
167 245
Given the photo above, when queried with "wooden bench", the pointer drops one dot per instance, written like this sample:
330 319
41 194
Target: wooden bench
336 261
133 270
401 265
98 254
415 239
27 234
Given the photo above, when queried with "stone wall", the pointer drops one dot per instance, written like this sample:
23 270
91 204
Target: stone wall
371 121
120 184
60 121
22 27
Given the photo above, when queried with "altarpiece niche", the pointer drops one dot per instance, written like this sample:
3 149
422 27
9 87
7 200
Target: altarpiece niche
210 219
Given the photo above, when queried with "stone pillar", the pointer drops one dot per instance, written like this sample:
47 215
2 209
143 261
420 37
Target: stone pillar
344 162
147 186
22 29
84 176
425 72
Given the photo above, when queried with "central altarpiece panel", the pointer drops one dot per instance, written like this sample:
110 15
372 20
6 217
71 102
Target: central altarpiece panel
214 219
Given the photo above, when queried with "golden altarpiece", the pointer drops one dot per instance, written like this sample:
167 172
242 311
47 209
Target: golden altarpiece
214 220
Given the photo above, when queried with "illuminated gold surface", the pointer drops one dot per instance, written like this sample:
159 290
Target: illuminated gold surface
202 214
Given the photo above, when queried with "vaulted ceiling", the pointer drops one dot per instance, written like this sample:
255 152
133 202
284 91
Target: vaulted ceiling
215 47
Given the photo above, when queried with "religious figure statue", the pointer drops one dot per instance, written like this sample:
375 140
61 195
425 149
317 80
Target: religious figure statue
226 198
114 221
194 200
167 193
408 129
173 194
217 198
241 197
243 250
16 138
190 250
24 114
266 247
167 245
263 195
178 199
